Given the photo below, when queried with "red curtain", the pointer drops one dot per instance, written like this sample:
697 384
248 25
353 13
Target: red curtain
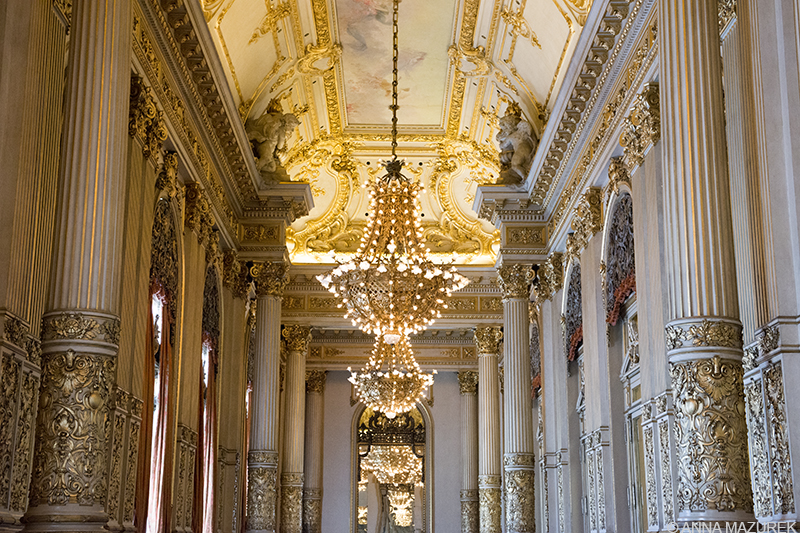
205 478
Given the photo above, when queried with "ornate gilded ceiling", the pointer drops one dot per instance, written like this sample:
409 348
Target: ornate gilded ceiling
329 62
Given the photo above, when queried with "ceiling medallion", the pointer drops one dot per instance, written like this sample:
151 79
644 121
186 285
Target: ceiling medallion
391 288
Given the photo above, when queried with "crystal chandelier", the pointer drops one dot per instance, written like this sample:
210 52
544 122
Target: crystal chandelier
393 465
391 288
391 382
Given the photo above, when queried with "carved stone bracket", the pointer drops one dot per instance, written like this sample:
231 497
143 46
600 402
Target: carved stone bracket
642 127
198 216
145 120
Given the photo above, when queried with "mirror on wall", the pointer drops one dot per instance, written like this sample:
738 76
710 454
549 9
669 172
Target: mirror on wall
390 473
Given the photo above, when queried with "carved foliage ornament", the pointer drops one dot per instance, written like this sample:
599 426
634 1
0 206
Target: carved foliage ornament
167 179
291 508
490 508
573 332
620 262
520 500
164 258
617 175
779 440
707 333
551 277
71 430
470 516
759 458
261 497
234 275
198 216
587 221
211 308
711 436
514 281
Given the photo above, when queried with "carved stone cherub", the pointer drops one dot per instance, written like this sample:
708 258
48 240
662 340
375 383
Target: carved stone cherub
268 134
517 146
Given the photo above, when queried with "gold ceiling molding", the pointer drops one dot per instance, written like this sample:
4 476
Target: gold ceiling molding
623 96
519 27
331 53
269 24
595 68
210 8
166 95
579 9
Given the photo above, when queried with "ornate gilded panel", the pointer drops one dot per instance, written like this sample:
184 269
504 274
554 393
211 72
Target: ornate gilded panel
779 440
619 261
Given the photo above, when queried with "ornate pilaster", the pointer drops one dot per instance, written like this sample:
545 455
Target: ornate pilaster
262 461
488 341
145 120
704 335
81 330
312 466
297 339
518 460
468 383
197 214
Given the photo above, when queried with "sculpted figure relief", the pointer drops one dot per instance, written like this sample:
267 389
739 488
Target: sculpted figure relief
517 146
267 135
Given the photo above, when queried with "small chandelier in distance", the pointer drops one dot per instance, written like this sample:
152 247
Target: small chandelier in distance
390 287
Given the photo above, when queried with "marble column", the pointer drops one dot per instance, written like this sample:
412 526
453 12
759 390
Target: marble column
488 340
81 329
468 383
312 466
703 335
518 457
262 458
297 339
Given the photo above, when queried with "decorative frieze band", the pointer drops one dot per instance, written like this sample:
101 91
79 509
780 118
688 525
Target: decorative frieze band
703 333
85 325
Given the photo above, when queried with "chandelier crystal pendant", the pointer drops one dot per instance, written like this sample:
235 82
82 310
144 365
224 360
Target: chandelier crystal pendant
391 288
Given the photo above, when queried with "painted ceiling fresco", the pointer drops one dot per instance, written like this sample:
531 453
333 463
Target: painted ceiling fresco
461 63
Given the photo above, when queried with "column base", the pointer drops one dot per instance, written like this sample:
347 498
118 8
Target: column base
470 511
262 495
291 503
490 504
68 518
312 512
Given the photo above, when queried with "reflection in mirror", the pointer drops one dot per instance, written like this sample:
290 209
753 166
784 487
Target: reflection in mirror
391 473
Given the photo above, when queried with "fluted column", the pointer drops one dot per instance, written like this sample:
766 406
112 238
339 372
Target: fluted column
312 467
297 339
488 340
262 459
704 335
81 329
518 458
468 383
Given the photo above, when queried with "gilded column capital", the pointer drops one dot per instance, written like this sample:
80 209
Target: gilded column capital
642 126
271 278
468 382
587 221
197 215
488 340
618 175
514 281
234 275
315 381
145 120
551 278
167 179
297 337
